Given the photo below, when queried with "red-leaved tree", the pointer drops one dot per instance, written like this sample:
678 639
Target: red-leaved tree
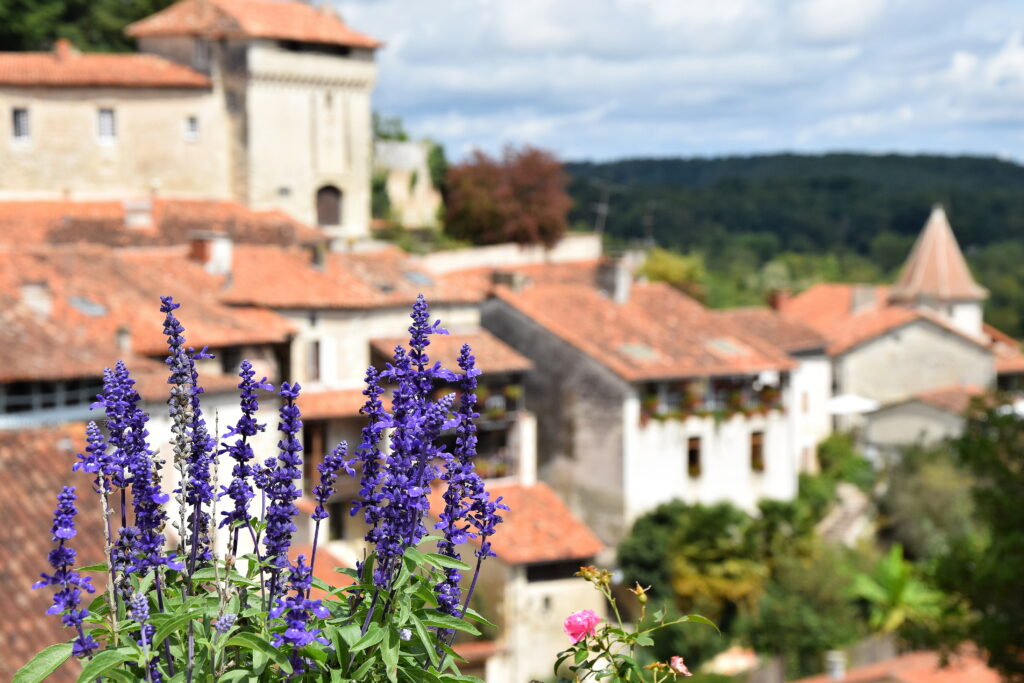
520 197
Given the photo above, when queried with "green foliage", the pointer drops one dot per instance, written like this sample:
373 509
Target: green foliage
896 595
437 163
840 461
790 221
388 128
380 201
926 504
984 568
91 25
684 272
805 611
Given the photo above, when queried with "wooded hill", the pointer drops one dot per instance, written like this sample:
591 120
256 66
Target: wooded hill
755 223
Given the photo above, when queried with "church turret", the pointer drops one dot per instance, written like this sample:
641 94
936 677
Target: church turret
936 277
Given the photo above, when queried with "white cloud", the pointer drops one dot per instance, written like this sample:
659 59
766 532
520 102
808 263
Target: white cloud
606 78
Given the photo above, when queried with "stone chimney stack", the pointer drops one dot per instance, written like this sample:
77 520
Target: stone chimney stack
615 277
64 49
213 250
778 298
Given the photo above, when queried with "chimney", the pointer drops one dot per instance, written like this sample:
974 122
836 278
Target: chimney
138 213
508 278
36 296
835 664
862 297
213 250
64 49
123 337
615 278
318 255
778 298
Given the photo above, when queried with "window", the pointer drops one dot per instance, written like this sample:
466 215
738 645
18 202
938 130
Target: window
314 444
757 451
107 126
552 571
336 522
693 456
328 206
191 128
313 361
19 124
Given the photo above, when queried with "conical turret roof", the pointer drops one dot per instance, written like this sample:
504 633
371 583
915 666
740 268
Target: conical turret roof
936 268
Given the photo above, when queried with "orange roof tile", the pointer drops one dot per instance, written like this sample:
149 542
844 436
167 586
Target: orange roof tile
918 667
34 465
492 354
537 527
936 268
850 315
785 332
67 68
172 221
94 291
952 399
331 403
277 19
658 334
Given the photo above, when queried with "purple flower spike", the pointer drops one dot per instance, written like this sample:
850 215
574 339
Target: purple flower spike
281 489
65 601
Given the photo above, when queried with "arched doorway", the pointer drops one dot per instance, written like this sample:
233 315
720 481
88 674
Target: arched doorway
328 205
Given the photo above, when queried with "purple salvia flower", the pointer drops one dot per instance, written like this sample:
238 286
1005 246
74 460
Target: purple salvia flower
65 601
280 488
297 611
332 463
138 609
95 460
199 491
240 490
224 623
369 456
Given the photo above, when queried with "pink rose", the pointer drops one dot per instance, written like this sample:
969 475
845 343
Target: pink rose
579 625
679 666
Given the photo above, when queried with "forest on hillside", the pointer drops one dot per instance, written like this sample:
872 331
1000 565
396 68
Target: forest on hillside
737 227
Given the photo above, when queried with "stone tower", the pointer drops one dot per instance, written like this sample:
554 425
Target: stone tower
295 82
936 277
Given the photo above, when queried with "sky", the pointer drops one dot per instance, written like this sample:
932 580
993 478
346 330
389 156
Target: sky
607 79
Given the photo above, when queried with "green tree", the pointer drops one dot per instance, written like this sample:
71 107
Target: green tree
985 568
388 128
92 25
685 272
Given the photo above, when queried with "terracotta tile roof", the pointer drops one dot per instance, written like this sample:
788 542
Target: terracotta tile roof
936 268
33 467
658 334
783 331
95 291
849 315
172 222
277 19
538 527
67 68
917 667
1009 355
331 403
952 399
492 354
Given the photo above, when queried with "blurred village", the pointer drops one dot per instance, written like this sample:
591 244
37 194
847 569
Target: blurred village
234 162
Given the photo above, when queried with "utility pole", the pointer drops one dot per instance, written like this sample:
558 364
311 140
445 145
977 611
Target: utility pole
601 207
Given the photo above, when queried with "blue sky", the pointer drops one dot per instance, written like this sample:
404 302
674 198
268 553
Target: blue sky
605 79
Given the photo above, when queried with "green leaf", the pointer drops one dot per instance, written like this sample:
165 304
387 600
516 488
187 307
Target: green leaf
374 635
360 673
101 567
254 642
442 620
644 640
701 620
389 653
208 574
104 662
580 656
172 625
424 636
43 664
418 675
235 675
476 616
446 562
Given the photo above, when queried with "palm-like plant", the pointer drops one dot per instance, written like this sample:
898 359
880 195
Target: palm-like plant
895 594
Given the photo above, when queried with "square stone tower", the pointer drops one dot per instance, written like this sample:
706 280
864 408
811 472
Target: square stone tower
295 82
